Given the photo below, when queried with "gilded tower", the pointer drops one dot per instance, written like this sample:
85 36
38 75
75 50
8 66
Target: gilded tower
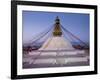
57 29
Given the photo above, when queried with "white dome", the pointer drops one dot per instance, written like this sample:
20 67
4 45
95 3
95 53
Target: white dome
56 43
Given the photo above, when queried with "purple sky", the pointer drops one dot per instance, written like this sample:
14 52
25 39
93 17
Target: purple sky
36 22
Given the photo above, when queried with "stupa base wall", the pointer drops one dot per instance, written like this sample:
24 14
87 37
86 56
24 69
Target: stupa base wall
55 59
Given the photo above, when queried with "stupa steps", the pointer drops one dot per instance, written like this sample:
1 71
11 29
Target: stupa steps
39 60
55 59
60 60
54 56
54 62
55 65
58 50
63 53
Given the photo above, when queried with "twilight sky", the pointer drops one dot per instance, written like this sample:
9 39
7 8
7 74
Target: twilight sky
36 22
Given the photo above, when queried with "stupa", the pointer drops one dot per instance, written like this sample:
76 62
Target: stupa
56 51
57 41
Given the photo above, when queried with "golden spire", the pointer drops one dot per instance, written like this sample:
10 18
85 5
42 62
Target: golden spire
57 30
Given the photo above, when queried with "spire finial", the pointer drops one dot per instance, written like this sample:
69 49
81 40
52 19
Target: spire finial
57 20
57 17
